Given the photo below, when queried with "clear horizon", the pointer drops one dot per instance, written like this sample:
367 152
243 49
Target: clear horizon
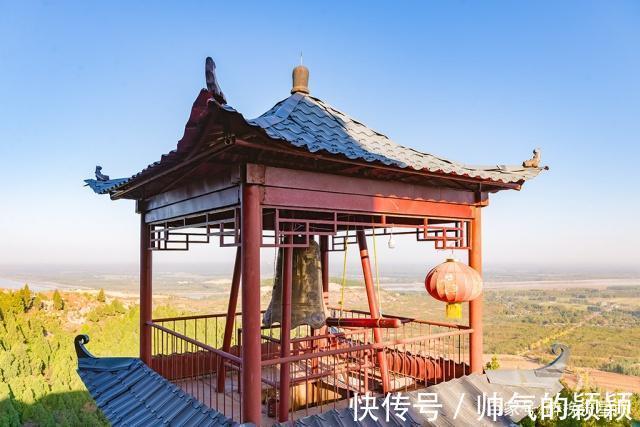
112 84
353 268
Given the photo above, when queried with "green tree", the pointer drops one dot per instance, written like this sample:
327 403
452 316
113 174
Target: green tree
118 307
58 302
16 303
101 297
38 415
37 302
9 416
25 294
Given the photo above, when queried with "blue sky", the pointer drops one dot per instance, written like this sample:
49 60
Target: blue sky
480 82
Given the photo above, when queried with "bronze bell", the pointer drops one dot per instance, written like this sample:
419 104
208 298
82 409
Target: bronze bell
307 304
300 77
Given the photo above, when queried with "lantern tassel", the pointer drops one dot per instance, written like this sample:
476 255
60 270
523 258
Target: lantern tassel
454 310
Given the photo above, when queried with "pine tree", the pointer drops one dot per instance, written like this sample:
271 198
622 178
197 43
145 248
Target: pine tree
25 294
17 303
101 297
58 302
37 302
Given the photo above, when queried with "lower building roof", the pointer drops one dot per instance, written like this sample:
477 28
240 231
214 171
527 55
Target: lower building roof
458 399
129 393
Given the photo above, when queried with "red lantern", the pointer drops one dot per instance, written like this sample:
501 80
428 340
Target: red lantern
453 282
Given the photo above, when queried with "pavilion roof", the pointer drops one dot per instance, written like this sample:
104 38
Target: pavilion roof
309 123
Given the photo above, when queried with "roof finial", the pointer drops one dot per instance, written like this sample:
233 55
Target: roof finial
212 82
300 78
533 162
99 175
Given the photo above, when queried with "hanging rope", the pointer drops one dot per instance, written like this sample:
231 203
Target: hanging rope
344 271
375 262
275 263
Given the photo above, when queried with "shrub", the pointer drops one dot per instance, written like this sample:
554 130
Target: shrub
118 307
58 302
494 364
25 294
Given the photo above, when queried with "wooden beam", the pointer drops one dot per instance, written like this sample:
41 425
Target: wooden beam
295 198
307 180
381 322
222 179
207 202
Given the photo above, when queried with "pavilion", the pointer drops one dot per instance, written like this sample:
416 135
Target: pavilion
302 172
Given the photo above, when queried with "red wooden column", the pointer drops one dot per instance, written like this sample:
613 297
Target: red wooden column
373 306
475 306
251 236
146 304
285 333
231 315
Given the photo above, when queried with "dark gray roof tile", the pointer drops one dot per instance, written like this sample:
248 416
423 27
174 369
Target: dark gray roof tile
326 128
131 394
449 395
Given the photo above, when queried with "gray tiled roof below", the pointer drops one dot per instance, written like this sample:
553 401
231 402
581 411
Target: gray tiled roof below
467 389
131 394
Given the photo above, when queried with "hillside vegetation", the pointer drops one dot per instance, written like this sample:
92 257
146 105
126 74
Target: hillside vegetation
39 385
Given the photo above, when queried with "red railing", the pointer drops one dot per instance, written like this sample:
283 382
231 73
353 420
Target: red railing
188 351
324 369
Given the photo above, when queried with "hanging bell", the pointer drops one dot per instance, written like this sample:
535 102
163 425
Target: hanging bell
307 303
